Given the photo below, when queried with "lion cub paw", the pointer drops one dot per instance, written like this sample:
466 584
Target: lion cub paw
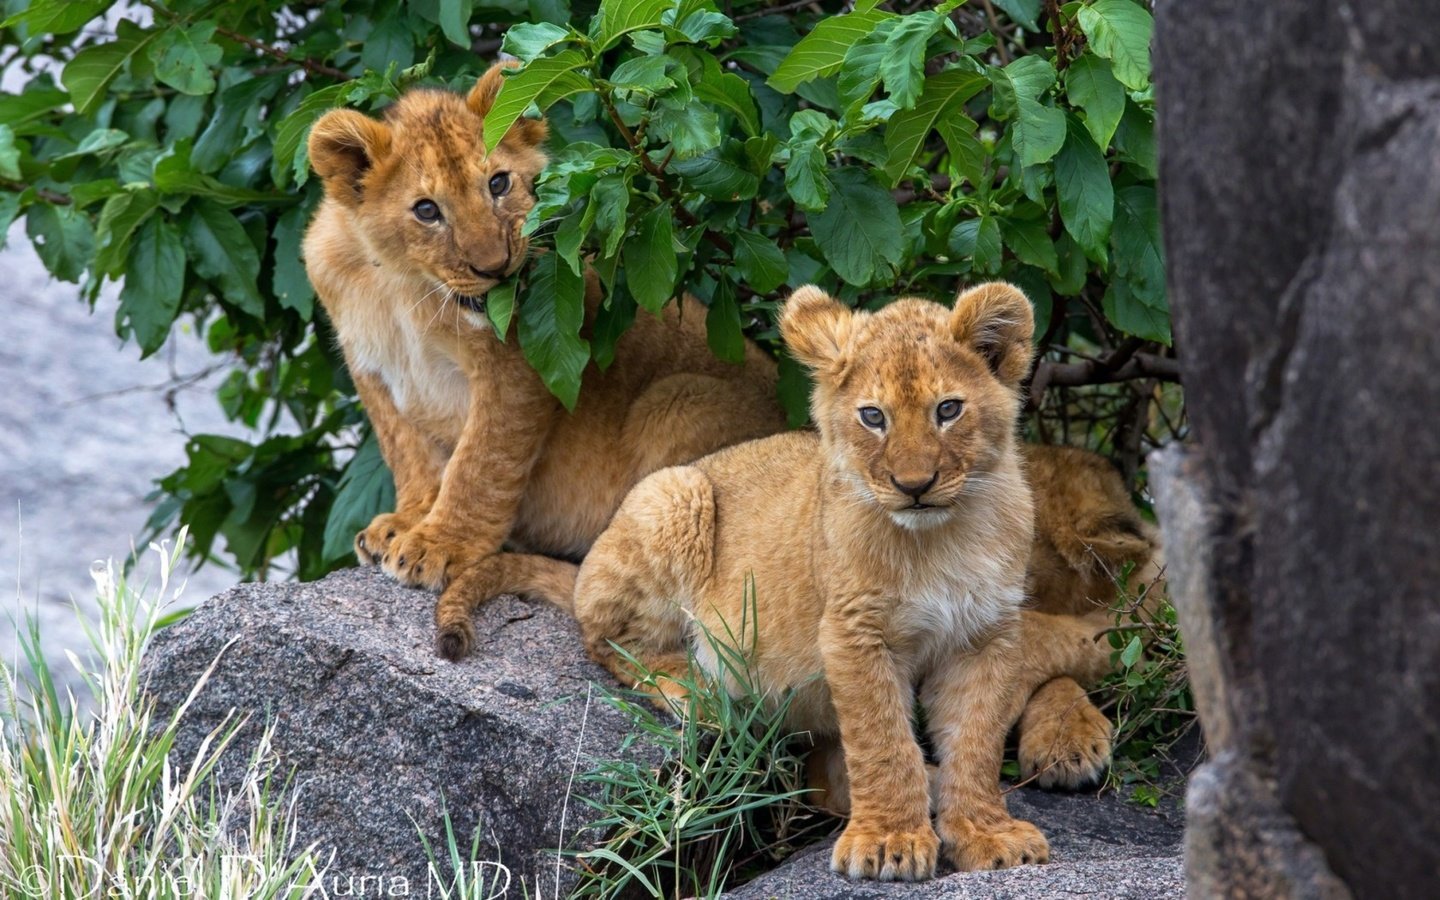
372 542
1010 842
864 852
425 557
1068 749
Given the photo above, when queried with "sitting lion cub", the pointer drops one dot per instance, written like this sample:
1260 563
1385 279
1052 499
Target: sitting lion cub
419 222
887 551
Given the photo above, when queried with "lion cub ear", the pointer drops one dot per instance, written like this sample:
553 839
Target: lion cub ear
995 320
816 328
482 97
344 145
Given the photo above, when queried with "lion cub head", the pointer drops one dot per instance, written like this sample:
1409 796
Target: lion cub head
426 194
916 402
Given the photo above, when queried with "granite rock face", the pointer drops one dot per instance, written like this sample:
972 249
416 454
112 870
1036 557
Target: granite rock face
1300 199
380 731
1099 847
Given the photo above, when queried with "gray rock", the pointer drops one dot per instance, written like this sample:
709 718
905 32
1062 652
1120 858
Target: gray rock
379 731
1300 196
1099 847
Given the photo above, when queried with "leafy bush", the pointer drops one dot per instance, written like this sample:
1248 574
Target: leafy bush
733 150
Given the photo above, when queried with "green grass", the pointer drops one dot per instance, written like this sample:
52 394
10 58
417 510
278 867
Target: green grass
725 801
97 804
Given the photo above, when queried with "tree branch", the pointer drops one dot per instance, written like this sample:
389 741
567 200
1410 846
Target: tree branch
45 194
309 65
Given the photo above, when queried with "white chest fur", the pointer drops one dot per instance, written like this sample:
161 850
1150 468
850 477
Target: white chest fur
952 598
385 340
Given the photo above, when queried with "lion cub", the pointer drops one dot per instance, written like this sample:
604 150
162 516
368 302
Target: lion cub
888 551
420 220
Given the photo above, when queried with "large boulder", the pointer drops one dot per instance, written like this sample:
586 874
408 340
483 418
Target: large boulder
380 732
1300 199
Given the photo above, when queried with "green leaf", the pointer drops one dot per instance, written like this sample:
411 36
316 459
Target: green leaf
1120 31
978 240
902 69
232 122
56 17
543 82
527 40
612 320
154 284
1138 253
728 91
289 282
1024 13
722 324
89 73
721 173
1037 131
760 261
290 151
1030 242
63 239
859 231
1135 139
9 153
651 265
551 316
366 490
689 130
806 178
1131 654
500 307
390 41
455 21
962 140
221 251
1086 196
1133 315
121 215
97 142
610 198
793 389
1092 87
822 51
943 98
642 74
1070 276
26 112
183 58
9 210
616 18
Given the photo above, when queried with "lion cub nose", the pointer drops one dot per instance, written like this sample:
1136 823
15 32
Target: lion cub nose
914 488
496 273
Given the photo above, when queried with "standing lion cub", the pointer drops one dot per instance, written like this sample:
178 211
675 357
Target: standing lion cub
888 551
420 220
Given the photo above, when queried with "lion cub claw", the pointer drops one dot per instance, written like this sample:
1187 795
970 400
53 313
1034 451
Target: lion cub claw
970 846
372 541
424 557
866 852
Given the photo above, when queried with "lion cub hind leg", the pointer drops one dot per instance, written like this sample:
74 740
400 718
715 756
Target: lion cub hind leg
529 575
1064 739
633 585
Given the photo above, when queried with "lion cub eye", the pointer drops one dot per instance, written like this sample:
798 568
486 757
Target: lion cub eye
948 410
872 417
426 210
500 184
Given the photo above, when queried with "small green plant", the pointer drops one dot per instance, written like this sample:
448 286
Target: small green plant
1148 696
97 805
464 875
726 795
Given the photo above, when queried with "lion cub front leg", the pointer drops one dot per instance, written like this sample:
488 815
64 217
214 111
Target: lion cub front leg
480 495
971 699
889 836
414 460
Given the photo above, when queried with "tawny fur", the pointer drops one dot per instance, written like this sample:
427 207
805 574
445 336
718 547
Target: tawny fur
861 598
483 455
1089 538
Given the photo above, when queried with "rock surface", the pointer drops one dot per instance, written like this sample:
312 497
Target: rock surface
1099 847
377 729
1300 196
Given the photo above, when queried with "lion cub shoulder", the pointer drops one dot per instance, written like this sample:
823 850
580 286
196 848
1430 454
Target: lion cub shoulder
887 551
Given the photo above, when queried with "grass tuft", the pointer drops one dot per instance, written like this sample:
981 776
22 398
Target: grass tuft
95 803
